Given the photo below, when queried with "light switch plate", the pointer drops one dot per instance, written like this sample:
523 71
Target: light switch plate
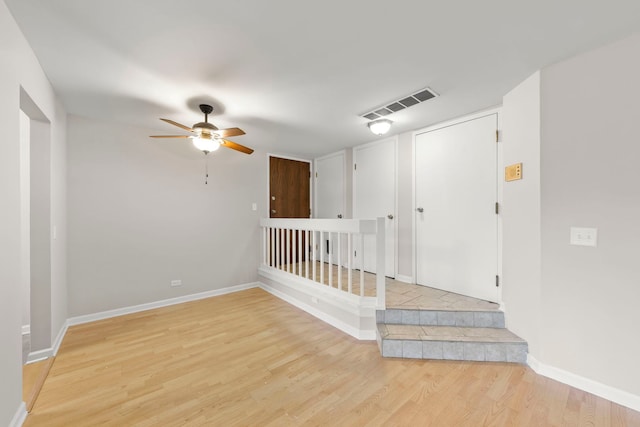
581 236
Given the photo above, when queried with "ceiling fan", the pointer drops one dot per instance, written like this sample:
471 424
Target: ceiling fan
206 137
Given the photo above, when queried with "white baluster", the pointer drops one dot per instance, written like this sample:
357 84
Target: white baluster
349 263
339 261
322 257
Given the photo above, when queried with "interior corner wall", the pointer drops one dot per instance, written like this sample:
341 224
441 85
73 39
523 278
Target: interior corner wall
21 69
590 178
140 215
521 212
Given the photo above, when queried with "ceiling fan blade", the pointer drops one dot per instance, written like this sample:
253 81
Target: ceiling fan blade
224 133
235 146
169 136
181 126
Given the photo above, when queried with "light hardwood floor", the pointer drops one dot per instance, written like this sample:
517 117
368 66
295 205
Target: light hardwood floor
251 359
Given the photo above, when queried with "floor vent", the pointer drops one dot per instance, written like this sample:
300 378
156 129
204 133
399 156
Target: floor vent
400 104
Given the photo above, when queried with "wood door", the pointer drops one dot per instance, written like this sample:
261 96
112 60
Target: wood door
456 223
289 185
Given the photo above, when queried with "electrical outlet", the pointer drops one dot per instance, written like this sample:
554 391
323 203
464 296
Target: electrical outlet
176 283
581 236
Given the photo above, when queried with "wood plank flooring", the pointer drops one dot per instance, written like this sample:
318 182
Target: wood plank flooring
33 377
251 359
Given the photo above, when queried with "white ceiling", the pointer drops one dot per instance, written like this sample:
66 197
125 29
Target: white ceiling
295 74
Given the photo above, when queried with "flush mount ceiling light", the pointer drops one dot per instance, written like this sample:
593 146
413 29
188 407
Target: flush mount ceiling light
380 127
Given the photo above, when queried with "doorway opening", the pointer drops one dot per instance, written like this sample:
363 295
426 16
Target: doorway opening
36 234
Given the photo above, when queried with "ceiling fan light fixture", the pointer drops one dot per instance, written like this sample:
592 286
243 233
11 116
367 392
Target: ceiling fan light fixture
205 144
380 127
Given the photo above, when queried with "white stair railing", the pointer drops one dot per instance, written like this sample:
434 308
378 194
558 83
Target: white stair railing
296 246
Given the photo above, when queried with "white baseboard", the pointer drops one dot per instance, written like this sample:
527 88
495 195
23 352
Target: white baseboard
59 337
20 416
36 356
404 279
26 329
78 320
348 329
602 390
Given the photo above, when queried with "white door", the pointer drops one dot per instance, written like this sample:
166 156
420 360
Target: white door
456 222
329 186
374 195
330 199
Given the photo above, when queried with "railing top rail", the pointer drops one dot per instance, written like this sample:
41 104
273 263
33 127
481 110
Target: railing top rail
364 226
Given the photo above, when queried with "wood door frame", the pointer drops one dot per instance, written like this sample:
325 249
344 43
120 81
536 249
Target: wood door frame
395 140
298 159
499 186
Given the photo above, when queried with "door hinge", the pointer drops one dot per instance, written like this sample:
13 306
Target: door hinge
355 166
355 254
316 174
497 135
497 208
497 280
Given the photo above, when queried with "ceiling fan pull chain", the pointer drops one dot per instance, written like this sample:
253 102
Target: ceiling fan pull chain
206 168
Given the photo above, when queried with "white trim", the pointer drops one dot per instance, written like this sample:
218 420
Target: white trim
20 416
26 329
350 303
37 356
78 320
60 337
338 324
613 394
285 156
468 117
404 279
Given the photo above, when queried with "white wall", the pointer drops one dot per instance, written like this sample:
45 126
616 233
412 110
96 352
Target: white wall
25 212
20 68
590 178
140 215
521 211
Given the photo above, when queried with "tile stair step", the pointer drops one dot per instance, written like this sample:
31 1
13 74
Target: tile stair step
451 343
467 318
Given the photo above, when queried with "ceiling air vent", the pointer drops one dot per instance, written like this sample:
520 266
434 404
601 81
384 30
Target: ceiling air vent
406 102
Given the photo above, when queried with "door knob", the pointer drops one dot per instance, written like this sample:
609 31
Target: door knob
390 216
420 210
340 216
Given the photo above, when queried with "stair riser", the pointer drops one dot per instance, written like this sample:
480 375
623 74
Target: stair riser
478 319
452 350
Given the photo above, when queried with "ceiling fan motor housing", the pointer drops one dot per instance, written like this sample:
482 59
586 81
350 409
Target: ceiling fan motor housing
204 128
206 109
